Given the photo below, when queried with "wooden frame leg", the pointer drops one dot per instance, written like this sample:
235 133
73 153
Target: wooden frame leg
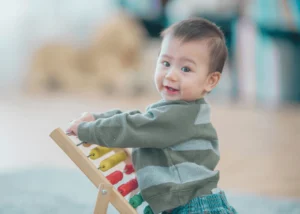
103 198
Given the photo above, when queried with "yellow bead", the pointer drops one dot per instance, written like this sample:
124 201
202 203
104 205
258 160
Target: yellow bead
112 161
98 152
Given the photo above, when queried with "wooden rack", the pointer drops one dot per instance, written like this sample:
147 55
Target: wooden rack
107 193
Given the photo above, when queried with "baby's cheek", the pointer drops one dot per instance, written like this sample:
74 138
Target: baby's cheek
158 77
186 93
157 81
190 93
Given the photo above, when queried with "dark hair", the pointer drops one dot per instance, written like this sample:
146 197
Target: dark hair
202 29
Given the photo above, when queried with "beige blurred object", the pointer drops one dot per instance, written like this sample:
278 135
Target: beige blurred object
115 54
109 64
54 67
121 37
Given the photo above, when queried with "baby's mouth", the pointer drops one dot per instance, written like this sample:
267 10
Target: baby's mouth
171 89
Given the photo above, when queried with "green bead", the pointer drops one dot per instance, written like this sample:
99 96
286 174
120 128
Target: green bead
136 200
148 210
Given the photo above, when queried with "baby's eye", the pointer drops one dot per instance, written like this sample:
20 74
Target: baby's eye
166 64
185 69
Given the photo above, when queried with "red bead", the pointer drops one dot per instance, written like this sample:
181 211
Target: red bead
115 177
128 169
128 187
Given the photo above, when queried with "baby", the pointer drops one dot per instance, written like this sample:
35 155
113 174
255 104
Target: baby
175 146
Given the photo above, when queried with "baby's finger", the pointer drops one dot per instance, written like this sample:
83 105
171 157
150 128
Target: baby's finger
69 133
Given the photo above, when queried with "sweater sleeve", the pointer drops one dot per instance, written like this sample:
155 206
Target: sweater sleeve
110 114
160 127
107 114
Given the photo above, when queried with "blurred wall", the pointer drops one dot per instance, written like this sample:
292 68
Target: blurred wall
262 37
26 25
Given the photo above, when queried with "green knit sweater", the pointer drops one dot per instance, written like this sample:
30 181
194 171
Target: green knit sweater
175 149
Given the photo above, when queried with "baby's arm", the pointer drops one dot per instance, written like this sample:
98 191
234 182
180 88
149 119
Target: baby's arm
158 128
107 114
110 114
88 117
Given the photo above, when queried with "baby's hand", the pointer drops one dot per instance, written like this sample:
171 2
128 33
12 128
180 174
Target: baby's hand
73 128
85 117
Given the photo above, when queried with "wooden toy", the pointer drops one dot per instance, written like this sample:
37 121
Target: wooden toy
107 192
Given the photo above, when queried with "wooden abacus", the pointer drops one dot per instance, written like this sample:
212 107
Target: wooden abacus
107 192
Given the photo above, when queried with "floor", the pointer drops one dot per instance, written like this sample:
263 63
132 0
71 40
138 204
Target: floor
259 148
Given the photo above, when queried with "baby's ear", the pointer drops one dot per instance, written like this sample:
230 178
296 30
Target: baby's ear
212 80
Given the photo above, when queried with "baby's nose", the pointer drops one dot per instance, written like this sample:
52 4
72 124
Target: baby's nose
172 75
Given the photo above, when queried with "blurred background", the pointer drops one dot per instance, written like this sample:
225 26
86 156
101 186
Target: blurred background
62 58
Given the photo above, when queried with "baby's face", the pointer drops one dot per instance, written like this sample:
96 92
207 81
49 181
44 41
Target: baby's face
182 69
